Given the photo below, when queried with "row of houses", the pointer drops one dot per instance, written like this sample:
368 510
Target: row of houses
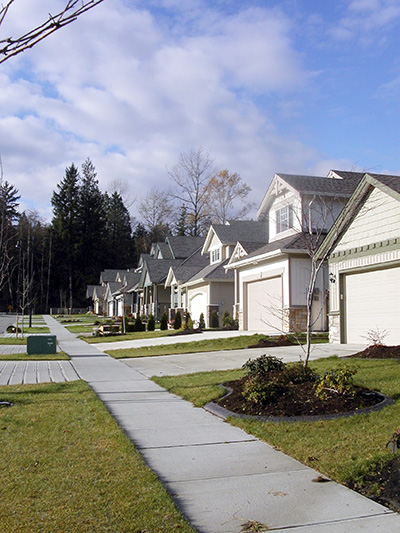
259 271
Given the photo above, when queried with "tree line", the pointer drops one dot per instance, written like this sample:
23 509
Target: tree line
47 265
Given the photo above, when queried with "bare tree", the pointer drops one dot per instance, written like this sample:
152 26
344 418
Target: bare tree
225 192
11 46
191 176
156 211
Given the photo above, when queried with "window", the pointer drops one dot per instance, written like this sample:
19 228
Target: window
215 255
284 219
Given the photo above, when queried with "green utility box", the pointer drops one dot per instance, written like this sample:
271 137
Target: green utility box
37 344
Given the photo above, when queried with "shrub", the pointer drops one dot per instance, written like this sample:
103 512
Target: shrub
188 321
263 365
339 379
138 324
178 320
151 324
130 327
164 322
298 373
202 324
214 319
261 391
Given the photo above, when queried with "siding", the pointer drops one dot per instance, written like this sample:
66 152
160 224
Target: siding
378 220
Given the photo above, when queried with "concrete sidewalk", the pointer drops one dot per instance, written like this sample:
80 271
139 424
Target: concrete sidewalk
219 476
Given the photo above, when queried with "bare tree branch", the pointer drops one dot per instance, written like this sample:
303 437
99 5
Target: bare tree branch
11 46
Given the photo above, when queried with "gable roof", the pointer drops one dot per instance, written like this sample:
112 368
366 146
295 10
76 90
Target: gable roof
212 273
237 230
388 184
107 275
182 246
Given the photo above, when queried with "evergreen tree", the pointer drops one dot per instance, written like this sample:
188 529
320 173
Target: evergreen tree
91 214
142 240
120 244
8 217
164 322
66 234
181 228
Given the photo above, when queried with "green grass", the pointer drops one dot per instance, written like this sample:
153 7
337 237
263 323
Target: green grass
59 356
212 345
81 328
130 336
344 448
67 466
12 340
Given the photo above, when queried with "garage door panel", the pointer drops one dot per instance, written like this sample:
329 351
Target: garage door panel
372 302
197 306
264 305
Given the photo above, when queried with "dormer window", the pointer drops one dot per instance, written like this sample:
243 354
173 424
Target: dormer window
215 255
284 219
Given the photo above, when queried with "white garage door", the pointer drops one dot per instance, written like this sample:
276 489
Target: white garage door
372 302
197 306
264 305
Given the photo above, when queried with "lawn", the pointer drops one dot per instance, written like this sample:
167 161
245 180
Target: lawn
131 336
67 466
59 356
211 345
344 448
12 340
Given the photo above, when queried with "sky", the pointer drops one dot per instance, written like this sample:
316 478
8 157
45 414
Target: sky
264 87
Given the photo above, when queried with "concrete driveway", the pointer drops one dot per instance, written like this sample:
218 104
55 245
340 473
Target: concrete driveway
172 365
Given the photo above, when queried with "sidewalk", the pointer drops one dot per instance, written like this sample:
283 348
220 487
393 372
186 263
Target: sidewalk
219 476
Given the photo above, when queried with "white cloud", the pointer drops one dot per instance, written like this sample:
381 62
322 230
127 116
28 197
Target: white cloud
131 89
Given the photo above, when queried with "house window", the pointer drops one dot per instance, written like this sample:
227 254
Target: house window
284 219
215 255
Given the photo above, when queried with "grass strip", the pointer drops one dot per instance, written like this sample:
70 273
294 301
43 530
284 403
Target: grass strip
210 345
12 340
67 466
59 356
345 448
131 336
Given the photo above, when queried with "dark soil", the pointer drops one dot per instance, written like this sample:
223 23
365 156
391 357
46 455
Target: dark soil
379 352
283 340
383 485
298 400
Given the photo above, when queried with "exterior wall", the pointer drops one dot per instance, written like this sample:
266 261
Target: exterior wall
285 199
222 295
378 220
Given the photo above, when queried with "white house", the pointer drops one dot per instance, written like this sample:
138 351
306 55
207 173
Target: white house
364 263
271 282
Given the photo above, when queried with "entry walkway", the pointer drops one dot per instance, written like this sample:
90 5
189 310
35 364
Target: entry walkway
219 476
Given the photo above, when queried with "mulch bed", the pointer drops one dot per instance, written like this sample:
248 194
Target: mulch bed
272 343
298 400
379 352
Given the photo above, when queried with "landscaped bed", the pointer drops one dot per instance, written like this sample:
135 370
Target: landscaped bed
350 450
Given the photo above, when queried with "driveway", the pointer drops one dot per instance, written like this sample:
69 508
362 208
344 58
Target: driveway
173 365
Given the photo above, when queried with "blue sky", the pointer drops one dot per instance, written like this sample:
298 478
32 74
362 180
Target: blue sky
294 86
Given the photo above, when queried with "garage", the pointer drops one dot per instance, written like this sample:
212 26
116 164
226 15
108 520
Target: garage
372 302
198 305
264 313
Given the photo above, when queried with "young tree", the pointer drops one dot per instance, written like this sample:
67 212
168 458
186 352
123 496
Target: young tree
191 176
11 46
181 227
226 197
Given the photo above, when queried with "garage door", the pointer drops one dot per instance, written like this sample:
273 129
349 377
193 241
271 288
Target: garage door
197 306
372 302
264 305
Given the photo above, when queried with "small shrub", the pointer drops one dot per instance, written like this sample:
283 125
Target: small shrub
151 324
178 320
339 379
214 319
138 324
202 324
164 322
375 337
263 365
130 327
188 321
260 391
